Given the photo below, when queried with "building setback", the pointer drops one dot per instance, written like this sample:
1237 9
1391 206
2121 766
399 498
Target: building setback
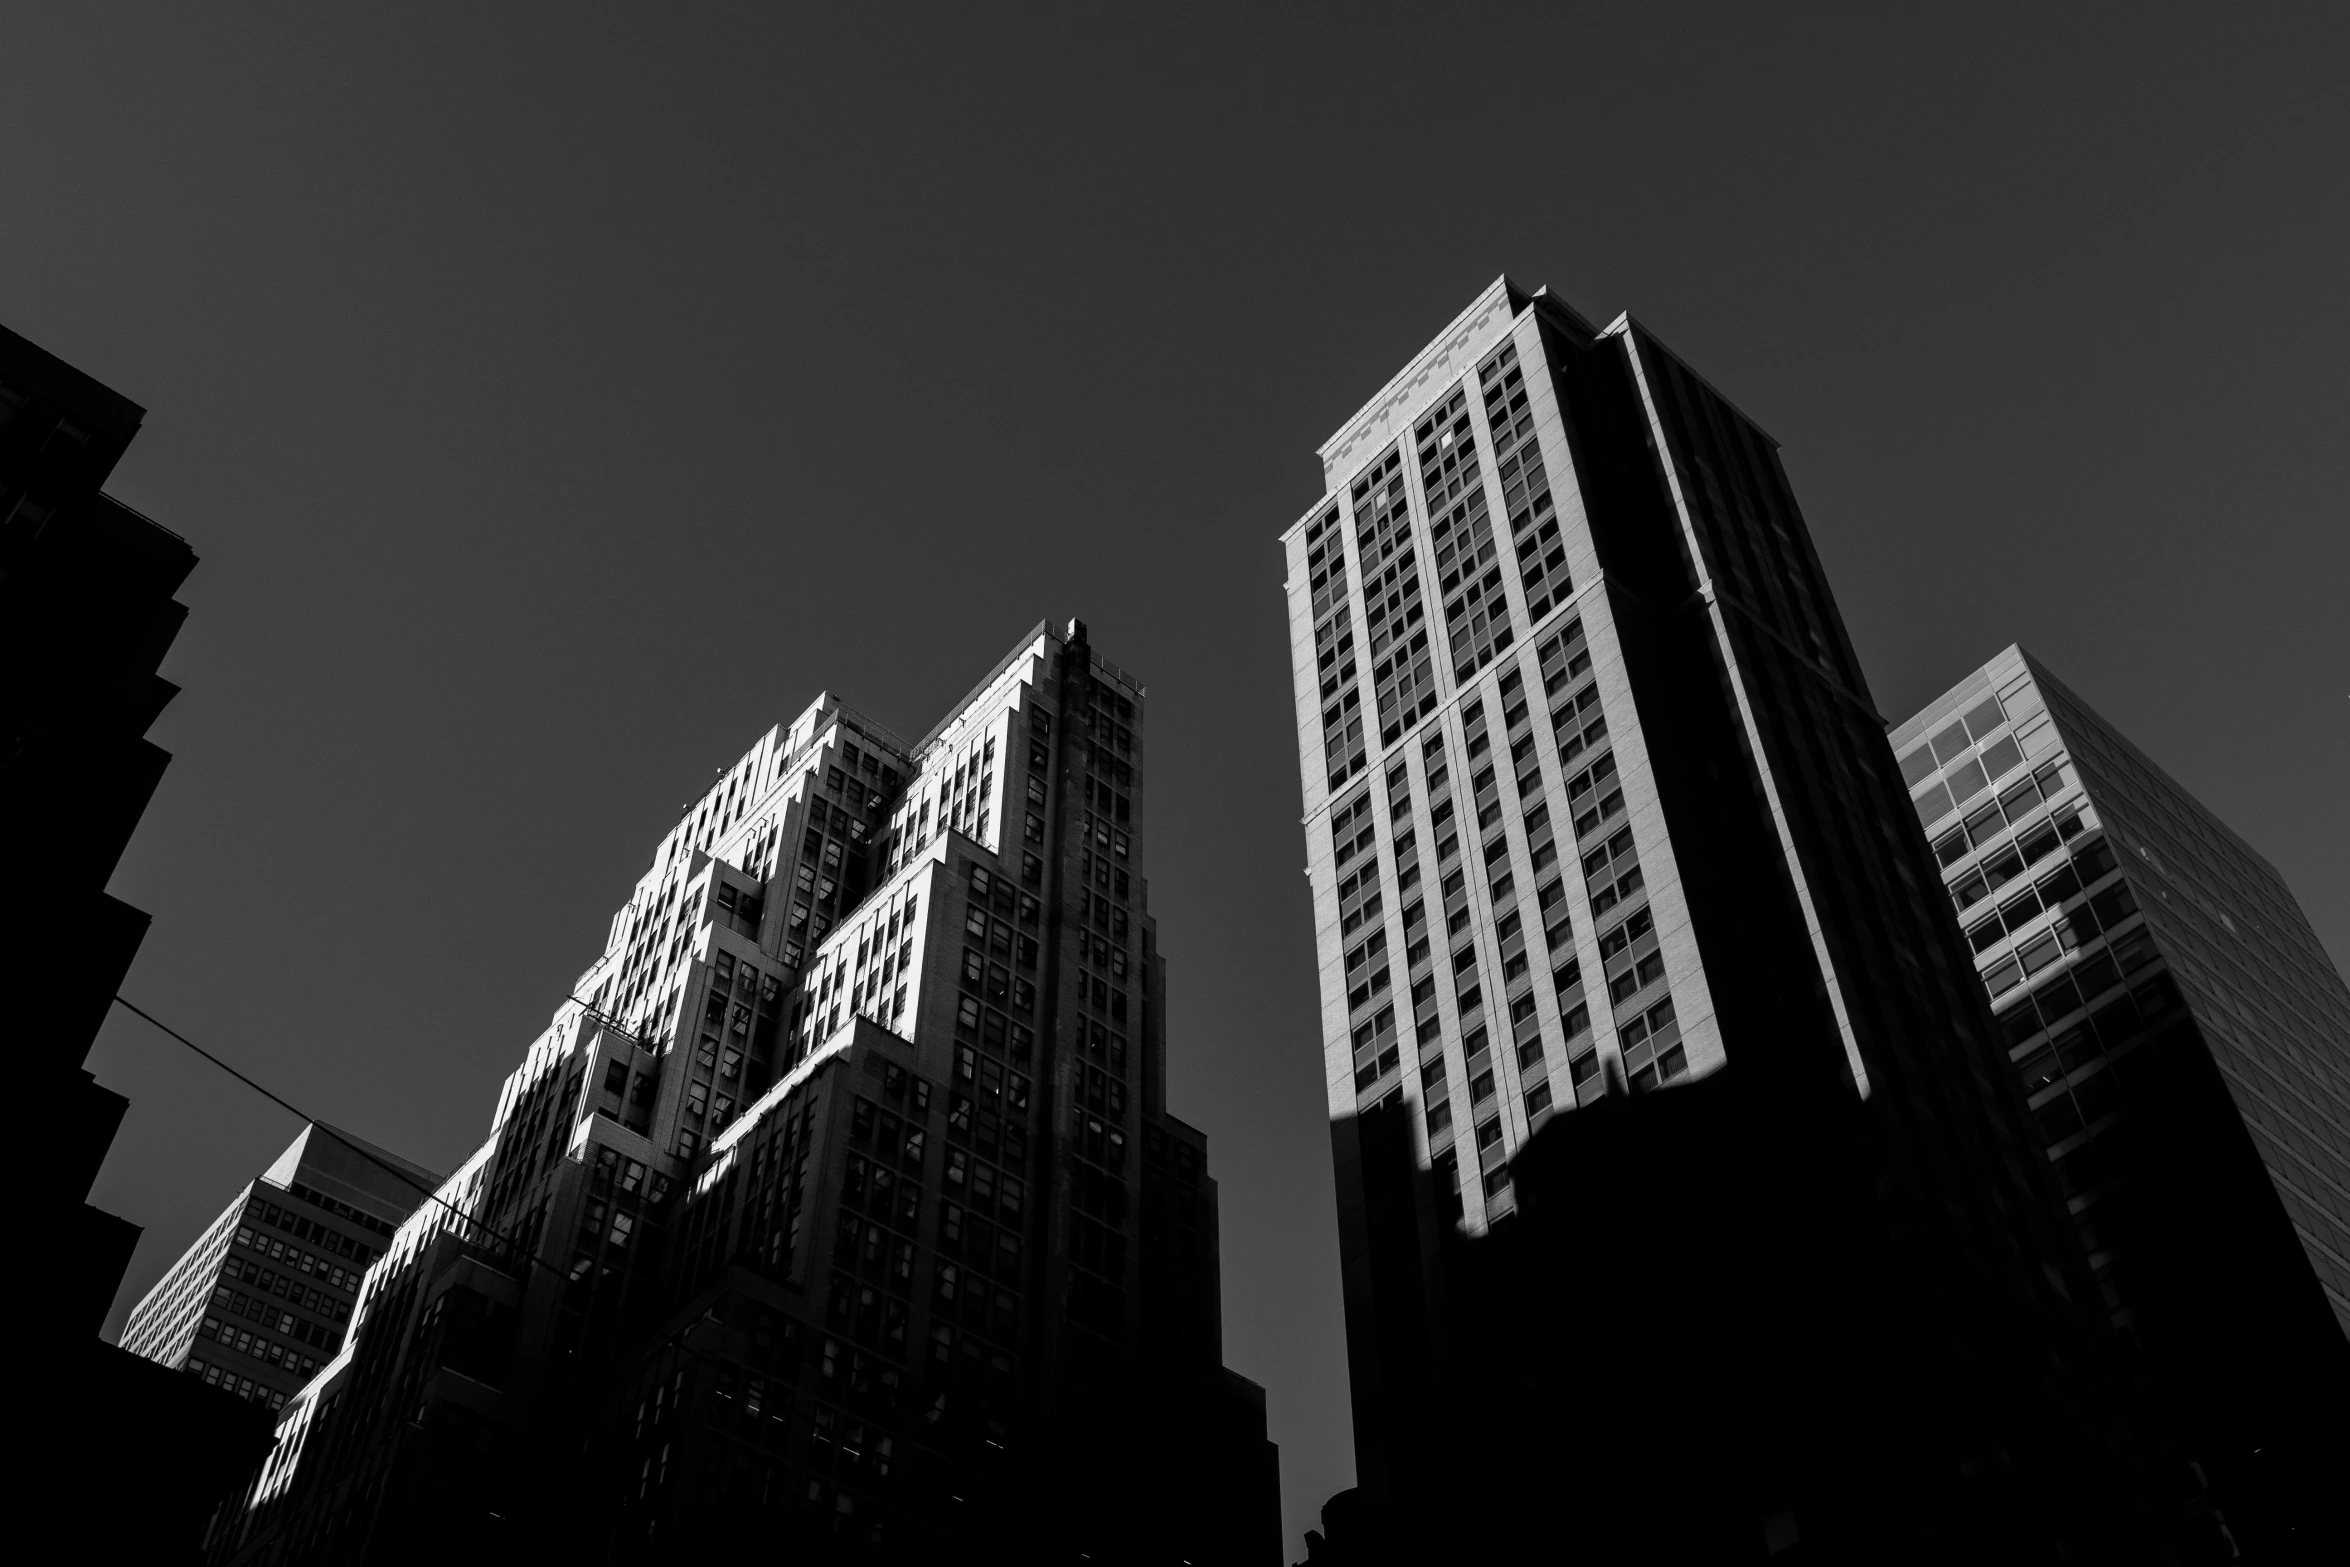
2184 1043
264 1296
1597 803
86 616
839 1209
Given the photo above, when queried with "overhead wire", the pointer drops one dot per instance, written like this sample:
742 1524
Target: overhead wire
673 1337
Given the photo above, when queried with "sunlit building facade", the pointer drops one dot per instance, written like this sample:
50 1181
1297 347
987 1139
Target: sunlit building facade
1597 804
841 1204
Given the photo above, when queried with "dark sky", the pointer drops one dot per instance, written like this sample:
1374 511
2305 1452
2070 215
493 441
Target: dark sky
558 398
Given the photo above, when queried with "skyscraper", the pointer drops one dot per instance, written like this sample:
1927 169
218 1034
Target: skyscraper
840 1205
86 615
1596 802
263 1297
2184 1043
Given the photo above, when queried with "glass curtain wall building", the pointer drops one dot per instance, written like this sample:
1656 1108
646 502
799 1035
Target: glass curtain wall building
1596 803
2184 1043
840 1211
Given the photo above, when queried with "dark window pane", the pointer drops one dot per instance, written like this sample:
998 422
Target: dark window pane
2002 756
2058 997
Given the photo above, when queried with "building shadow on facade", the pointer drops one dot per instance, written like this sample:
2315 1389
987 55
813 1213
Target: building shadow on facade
1697 1338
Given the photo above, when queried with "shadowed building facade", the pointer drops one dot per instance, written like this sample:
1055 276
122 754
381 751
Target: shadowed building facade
86 615
1598 805
2183 1041
840 1209
264 1296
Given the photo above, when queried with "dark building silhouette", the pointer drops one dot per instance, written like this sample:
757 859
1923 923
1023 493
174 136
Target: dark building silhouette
839 1214
2183 1041
86 615
1596 798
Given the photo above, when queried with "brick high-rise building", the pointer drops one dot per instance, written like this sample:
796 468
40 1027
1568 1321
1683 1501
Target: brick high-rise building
1597 804
262 1299
2184 1043
841 1205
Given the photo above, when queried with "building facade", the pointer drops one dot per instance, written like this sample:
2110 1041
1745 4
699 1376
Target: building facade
87 614
841 1205
1597 803
264 1296
2184 1043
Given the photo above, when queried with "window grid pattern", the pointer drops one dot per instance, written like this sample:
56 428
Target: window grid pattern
1517 918
1334 649
1460 523
1369 974
2190 917
1960 760
2075 976
1525 486
1394 616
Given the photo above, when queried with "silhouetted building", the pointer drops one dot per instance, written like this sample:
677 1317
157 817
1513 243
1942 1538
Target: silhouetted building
263 1297
840 1210
86 614
2184 1041
1596 795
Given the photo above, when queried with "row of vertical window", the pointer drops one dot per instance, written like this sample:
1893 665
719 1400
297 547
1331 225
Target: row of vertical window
1334 651
1984 832
1526 499
989 1026
268 1281
985 1081
260 1346
261 1215
1097 1225
2019 909
2074 927
1384 555
262 1308
1395 614
340 1209
869 1313
277 1250
614 1209
155 1322
772 1177
990 1132
1646 1028
1633 967
2077 1078
226 1378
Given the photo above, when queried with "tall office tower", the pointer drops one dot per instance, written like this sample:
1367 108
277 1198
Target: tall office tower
840 1207
263 1297
1597 804
86 615
2185 1046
